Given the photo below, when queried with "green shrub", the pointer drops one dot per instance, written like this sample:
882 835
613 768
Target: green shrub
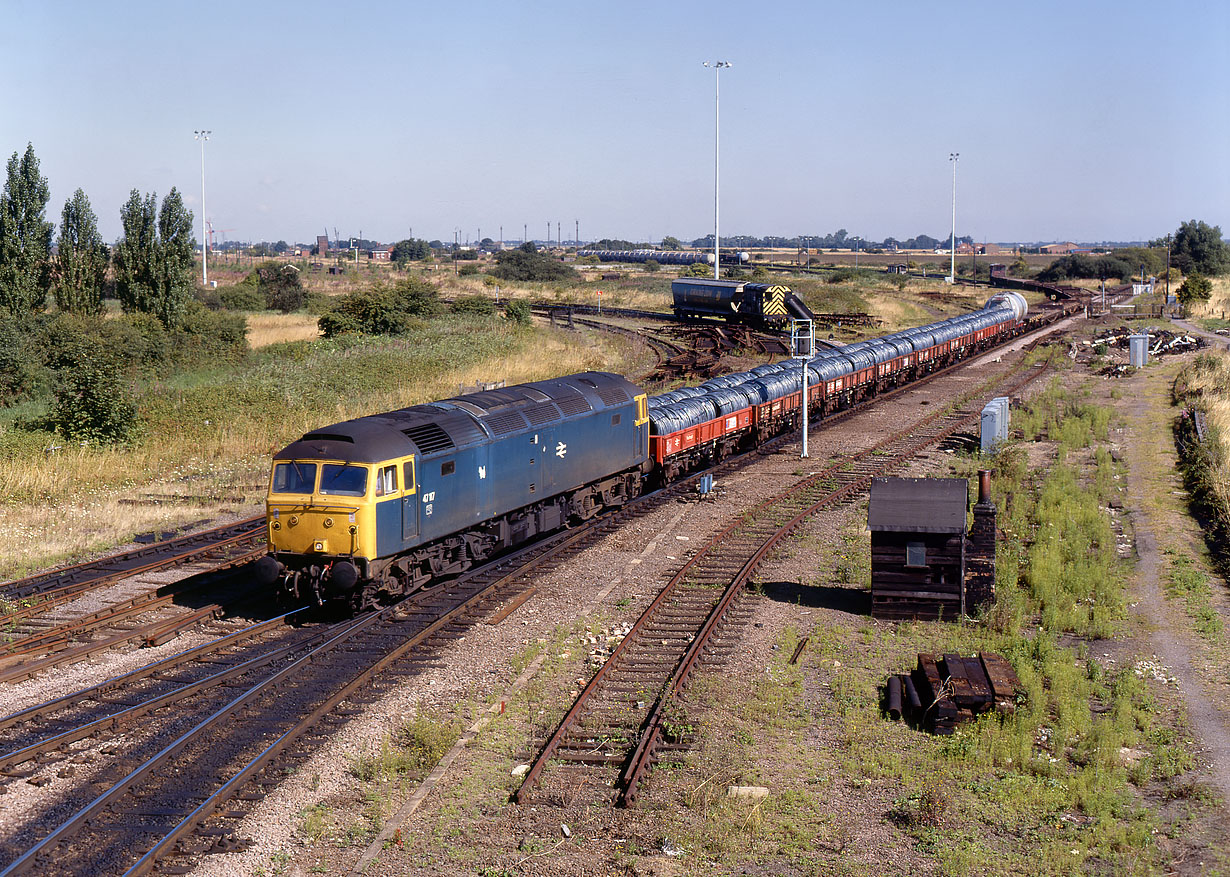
374 311
93 402
469 270
203 336
241 297
21 371
842 275
518 312
473 304
317 302
417 297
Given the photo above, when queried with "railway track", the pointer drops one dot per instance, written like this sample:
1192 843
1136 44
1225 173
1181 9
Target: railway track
51 588
50 627
629 714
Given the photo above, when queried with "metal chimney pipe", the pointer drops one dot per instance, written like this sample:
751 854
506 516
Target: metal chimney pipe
984 485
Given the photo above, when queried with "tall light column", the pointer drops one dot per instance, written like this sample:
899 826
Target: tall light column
717 112
203 136
952 271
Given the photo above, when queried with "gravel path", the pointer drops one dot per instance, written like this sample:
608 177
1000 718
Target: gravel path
1169 630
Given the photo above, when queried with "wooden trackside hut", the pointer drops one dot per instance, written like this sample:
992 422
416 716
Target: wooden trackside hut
918 547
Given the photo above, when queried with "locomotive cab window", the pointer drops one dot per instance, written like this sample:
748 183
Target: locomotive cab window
294 477
386 481
448 468
408 472
341 479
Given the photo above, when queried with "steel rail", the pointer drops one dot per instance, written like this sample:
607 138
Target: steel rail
73 580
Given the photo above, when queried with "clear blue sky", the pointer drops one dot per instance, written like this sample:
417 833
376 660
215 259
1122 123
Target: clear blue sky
1076 120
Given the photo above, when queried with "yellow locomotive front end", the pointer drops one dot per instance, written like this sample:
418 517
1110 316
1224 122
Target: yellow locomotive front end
321 526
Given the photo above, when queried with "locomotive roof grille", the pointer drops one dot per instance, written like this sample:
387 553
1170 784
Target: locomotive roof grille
570 405
537 415
503 424
429 437
613 395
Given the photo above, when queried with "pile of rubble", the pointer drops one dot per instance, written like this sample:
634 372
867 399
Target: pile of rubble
1161 341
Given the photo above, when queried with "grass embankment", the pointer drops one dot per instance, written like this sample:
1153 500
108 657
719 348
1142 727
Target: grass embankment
207 435
1057 788
1204 386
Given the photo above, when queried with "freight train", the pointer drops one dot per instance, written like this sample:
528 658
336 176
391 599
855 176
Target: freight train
374 508
665 257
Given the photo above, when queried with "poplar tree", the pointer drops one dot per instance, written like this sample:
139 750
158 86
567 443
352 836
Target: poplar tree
80 266
153 259
25 236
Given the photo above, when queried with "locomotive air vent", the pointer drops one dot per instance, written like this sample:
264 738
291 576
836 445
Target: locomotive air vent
429 437
503 424
612 395
537 415
571 405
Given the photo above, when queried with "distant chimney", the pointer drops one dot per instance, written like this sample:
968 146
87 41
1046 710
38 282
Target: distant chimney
980 549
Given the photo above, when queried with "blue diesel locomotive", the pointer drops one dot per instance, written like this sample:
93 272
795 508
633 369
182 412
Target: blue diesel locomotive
375 507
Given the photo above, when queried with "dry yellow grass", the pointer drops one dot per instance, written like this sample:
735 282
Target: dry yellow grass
273 328
1218 304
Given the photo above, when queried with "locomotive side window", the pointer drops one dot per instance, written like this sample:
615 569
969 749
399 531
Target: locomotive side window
448 468
386 481
615 418
408 472
294 477
343 480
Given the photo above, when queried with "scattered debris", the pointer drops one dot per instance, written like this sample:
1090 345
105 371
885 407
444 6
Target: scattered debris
1161 341
943 692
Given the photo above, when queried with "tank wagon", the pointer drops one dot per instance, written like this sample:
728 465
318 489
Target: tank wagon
379 506
735 301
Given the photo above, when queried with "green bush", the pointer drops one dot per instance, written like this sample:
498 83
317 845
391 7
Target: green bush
21 371
473 304
417 297
203 336
317 302
469 270
241 297
93 402
842 275
373 311
518 312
